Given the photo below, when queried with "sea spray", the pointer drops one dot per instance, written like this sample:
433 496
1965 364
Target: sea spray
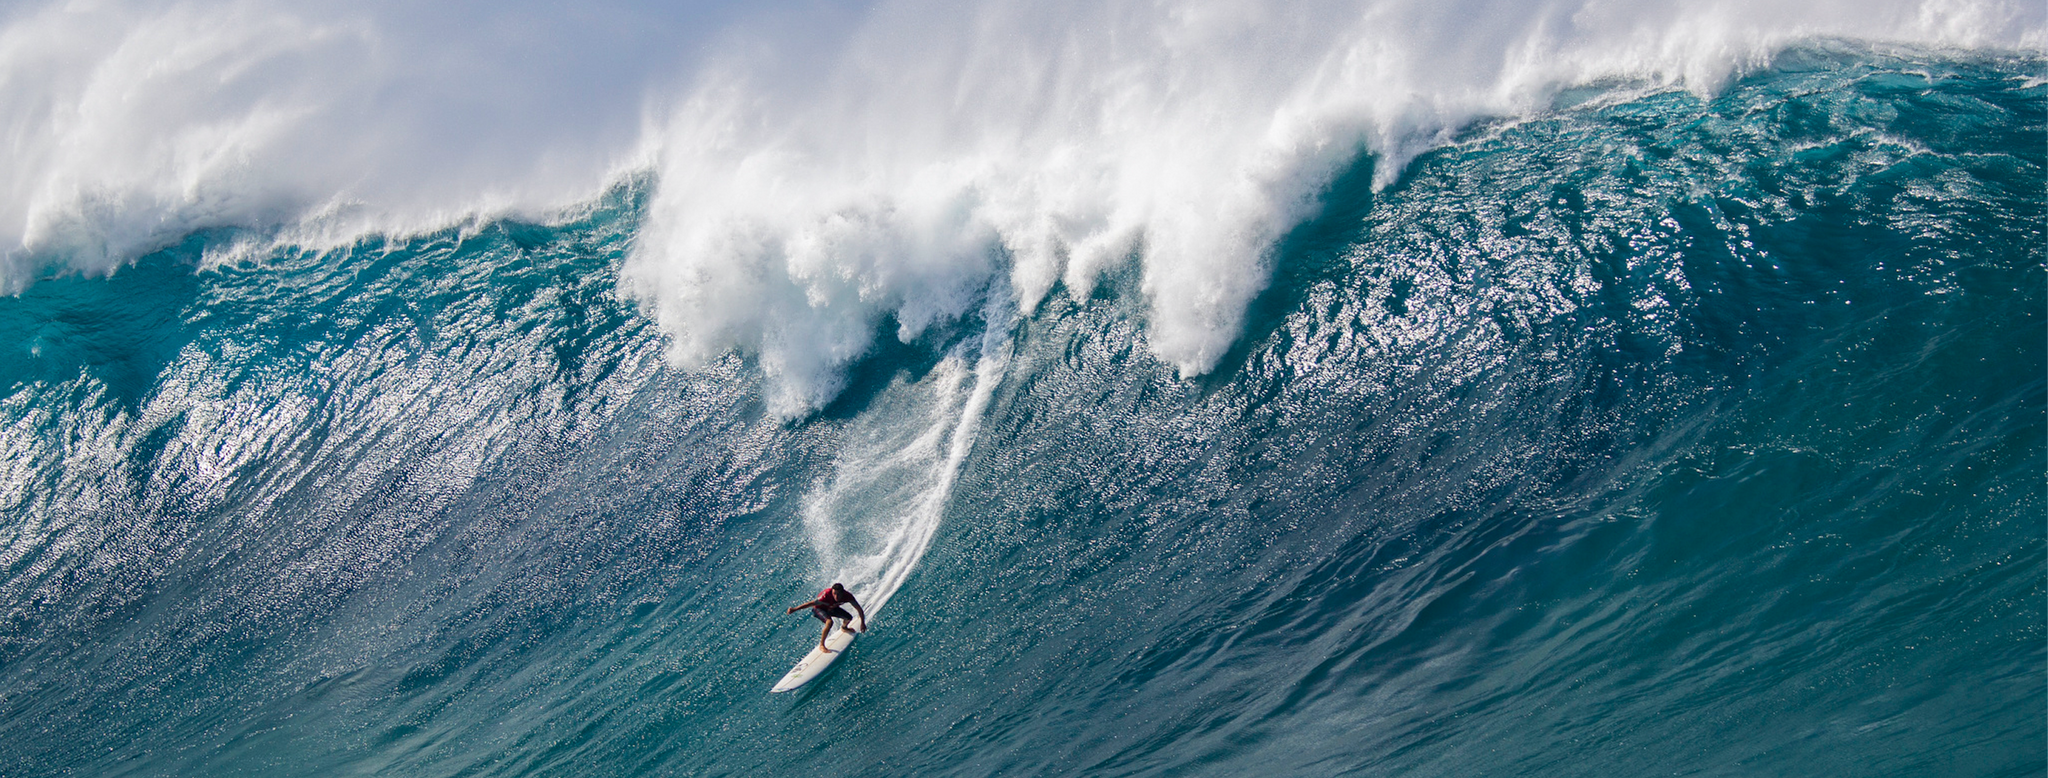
820 173
804 199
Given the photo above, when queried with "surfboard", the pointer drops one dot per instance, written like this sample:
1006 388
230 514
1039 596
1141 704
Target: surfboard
816 661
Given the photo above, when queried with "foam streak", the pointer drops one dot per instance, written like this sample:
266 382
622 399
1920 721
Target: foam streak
888 495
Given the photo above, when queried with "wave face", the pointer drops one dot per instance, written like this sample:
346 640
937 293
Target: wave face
1648 429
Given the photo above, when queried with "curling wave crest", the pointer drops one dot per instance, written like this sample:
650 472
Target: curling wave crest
820 175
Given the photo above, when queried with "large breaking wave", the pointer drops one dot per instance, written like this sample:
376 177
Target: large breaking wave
1473 388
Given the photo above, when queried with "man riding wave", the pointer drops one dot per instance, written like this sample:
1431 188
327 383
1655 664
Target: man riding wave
826 608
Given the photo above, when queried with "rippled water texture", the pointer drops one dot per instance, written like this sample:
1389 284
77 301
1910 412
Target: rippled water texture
1652 433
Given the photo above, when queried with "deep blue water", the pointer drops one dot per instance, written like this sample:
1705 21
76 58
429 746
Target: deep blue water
1651 434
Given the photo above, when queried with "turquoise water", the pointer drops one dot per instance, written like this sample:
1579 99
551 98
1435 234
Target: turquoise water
1651 434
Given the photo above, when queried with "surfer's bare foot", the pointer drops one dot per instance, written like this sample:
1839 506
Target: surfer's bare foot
821 647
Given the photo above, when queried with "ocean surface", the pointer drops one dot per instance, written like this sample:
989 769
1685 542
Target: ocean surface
1647 430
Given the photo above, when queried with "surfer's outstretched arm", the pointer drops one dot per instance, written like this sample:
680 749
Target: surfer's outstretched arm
795 608
863 615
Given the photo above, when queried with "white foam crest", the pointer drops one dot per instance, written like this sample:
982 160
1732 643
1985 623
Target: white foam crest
128 125
804 197
824 169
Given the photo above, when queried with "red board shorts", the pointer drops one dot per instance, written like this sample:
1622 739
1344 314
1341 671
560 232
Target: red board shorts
828 614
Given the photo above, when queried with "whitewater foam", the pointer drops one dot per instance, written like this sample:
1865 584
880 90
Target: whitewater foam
820 175
131 124
1046 142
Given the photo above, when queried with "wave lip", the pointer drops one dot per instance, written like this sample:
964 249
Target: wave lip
821 175
805 200
129 125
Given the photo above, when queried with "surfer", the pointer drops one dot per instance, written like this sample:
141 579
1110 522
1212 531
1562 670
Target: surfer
826 608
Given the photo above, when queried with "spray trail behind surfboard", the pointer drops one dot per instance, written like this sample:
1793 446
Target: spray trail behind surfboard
873 520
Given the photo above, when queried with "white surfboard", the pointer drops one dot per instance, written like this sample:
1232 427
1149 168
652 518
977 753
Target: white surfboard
816 661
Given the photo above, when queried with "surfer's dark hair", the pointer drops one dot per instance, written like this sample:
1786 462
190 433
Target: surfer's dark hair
839 586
